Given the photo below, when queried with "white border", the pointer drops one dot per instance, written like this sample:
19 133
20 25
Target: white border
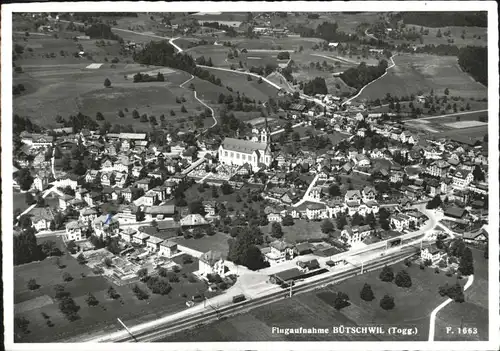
366 6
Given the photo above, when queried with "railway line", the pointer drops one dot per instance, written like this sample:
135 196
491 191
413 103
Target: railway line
245 306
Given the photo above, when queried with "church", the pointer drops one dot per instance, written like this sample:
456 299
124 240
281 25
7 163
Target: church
255 152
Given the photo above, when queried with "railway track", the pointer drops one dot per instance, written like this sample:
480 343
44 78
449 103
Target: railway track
160 332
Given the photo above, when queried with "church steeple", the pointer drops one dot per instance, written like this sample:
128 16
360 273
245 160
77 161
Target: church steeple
265 134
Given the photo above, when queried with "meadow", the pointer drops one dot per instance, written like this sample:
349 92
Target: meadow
97 319
412 309
413 74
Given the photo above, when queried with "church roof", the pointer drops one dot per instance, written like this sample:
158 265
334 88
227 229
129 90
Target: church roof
244 146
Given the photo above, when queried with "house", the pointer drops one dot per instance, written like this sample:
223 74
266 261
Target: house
307 266
480 236
352 196
433 254
212 262
144 184
210 207
334 207
88 215
356 234
120 179
316 211
438 168
75 230
106 225
159 212
279 252
41 218
167 248
107 178
361 160
93 198
462 178
274 216
397 176
127 234
193 220
153 244
91 175
455 212
368 193
140 238
40 182
315 194
400 221
303 248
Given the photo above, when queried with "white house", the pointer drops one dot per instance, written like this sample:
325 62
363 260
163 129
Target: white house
400 221
167 248
355 234
153 243
75 231
278 252
212 262
433 254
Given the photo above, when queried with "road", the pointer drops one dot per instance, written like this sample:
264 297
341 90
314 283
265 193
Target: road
447 115
370 35
201 102
199 314
245 73
306 195
338 59
373 81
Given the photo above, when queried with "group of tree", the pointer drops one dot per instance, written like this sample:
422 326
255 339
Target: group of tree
243 249
474 60
101 31
357 77
284 55
315 86
454 292
143 77
67 305
204 62
161 53
26 248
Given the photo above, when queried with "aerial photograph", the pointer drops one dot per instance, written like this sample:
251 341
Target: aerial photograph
250 176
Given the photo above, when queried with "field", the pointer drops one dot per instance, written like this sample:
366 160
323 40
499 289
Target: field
69 89
101 318
300 231
314 309
421 73
476 132
456 33
473 313
251 89
217 242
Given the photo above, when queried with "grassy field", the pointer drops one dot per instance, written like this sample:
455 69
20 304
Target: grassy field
101 318
473 313
421 73
456 33
413 307
217 242
251 89
301 230
69 89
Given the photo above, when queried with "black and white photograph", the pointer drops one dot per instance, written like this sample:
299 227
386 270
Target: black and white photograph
200 174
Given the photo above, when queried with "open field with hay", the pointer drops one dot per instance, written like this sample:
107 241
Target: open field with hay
413 74
68 89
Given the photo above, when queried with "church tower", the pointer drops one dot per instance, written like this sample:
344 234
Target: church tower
265 134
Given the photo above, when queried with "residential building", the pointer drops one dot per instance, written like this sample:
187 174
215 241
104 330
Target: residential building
75 230
212 262
167 248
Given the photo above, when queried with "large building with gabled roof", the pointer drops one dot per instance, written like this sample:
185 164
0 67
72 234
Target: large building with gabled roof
239 152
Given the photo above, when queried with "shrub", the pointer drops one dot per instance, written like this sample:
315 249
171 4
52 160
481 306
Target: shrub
91 300
159 286
112 293
139 293
341 301
387 275
67 277
81 258
403 279
32 285
443 264
162 272
367 293
387 302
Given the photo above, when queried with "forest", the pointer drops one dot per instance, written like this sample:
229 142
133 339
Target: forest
359 76
474 60
445 19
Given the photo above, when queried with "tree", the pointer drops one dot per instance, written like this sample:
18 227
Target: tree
367 293
341 222
91 300
21 325
69 308
387 302
387 275
67 277
226 188
142 273
196 207
438 34
341 301
32 285
183 109
478 174
276 230
434 203
107 83
99 116
287 220
296 136
466 264
49 248
112 293
81 258
108 262
334 190
327 226
403 279
446 91
135 114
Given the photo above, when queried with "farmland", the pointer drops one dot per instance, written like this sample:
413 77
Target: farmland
300 231
101 318
422 73
412 309
55 86
216 242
